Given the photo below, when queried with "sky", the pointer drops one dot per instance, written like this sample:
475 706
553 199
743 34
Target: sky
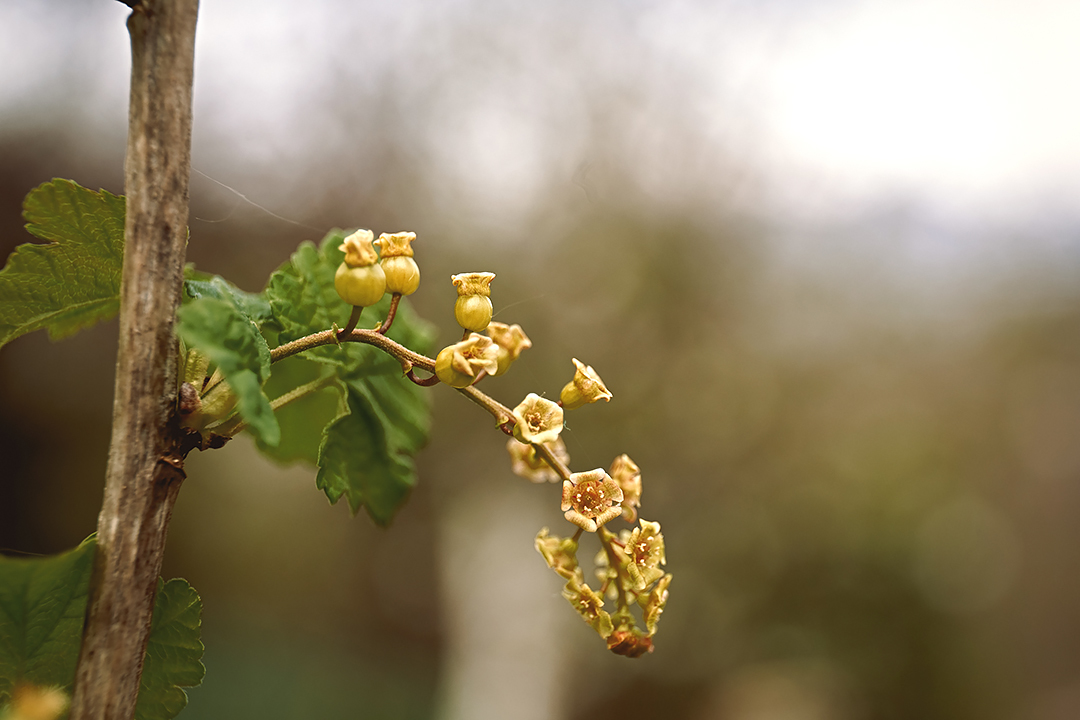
967 103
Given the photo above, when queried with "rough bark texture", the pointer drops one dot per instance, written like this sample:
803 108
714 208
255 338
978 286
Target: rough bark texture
145 461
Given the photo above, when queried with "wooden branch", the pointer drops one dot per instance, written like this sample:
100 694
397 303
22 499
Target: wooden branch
145 466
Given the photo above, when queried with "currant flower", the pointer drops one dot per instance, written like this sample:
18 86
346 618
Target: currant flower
590 499
626 472
537 420
560 554
360 280
460 364
511 340
653 604
402 273
473 306
645 548
590 606
586 387
526 463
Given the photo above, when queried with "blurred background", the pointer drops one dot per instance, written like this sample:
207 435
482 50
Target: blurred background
825 254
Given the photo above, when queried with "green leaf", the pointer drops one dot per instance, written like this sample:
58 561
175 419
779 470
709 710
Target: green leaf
367 454
199 285
42 603
173 652
302 421
221 330
42 606
73 281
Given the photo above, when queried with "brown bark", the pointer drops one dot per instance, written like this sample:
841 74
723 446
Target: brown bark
145 466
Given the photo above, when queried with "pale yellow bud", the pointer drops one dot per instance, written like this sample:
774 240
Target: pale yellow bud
402 272
473 310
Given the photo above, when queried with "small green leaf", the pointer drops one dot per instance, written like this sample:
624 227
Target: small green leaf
73 281
42 603
220 330
173 652
199 285
42 607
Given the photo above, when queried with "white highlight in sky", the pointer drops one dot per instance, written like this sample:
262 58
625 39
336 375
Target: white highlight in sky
952 96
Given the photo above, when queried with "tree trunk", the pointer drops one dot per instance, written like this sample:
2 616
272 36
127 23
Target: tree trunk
145 466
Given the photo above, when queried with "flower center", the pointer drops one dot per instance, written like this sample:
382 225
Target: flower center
535 420
590 500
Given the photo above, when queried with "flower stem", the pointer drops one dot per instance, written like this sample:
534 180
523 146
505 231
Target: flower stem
354 318
394 300
233 427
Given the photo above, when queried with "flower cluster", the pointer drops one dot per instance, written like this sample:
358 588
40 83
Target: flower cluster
629 566
629 563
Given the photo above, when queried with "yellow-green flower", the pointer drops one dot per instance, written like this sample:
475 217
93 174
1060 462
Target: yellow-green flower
460 364
589 605
526 463
626 472
590 499
653 604
511 340
645 548
586 387
560 554
537 420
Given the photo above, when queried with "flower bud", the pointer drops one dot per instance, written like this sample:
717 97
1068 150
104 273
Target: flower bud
402 273
511 340
458 365
586 387
537 420
473 307
590 499
360 280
